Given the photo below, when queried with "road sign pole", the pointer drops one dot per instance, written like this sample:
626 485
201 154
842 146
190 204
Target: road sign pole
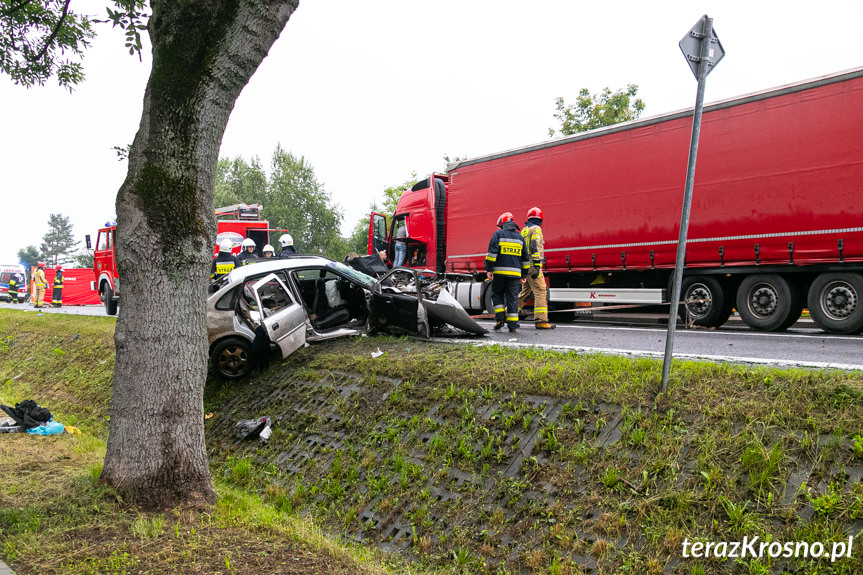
705 53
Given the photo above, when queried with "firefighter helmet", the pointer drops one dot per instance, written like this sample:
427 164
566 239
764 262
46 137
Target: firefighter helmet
286 240
534 213
269 248
58 267
504 217
226 245
248 242
40 265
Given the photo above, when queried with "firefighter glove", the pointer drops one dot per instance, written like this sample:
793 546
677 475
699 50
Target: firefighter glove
534 271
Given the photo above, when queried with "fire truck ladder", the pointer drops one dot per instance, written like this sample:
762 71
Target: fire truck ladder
241 211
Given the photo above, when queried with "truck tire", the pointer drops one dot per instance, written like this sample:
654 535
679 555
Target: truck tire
232 357
708 306
834 302
110 302
767 302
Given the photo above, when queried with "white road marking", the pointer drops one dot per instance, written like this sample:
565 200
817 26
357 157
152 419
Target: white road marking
779 363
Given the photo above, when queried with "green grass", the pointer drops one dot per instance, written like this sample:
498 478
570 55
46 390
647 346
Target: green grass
614 476
497 461
55 518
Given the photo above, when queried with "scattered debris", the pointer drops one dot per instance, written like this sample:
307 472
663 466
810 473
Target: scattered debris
378 353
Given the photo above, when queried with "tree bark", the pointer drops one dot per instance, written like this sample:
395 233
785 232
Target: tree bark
204 53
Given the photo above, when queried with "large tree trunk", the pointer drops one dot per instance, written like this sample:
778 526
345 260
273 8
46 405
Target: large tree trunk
204 53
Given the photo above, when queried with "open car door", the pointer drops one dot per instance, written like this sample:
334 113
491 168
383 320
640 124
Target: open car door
378 240
395 312
283 318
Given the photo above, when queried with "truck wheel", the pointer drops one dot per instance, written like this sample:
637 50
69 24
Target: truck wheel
232 357
110 302
705 301
834 302
767 302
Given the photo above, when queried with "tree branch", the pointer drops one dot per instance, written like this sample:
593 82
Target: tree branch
12 9
54 32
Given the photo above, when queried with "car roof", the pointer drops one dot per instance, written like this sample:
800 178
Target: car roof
259 266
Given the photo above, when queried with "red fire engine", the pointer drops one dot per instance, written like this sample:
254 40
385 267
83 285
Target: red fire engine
236 223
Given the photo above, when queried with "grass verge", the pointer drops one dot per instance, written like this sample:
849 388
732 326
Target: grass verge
56 519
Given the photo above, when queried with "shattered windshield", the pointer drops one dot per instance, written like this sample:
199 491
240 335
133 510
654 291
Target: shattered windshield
357 276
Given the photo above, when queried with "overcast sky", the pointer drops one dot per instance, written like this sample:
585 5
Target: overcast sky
371 91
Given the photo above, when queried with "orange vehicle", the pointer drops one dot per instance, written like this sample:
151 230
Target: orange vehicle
236 223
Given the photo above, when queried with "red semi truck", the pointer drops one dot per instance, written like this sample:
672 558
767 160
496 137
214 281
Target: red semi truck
236 223
776 221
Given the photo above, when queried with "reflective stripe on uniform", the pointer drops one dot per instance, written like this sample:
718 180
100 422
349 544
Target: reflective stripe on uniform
512 317
510 248
508 272
491 257
224 268
498 308
540 310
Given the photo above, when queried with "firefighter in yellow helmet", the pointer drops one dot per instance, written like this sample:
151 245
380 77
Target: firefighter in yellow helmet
532 234
39 283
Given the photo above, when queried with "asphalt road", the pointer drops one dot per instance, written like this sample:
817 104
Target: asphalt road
801 346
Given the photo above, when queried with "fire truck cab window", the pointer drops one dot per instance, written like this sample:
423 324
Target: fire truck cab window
102 243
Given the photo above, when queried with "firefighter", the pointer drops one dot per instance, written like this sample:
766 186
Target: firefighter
287 243
40 283
13 288
225 261
248 254
22 287
57 294
269 251
532 234
506 266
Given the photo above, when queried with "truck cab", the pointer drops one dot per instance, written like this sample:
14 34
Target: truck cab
422 209
107 283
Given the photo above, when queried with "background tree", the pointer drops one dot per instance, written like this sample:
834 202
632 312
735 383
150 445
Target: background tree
83 259
58 243
28 257
359 238
238 182
292 197
204 53
592 111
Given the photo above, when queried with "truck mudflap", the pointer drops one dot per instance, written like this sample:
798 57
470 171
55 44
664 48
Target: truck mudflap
447 310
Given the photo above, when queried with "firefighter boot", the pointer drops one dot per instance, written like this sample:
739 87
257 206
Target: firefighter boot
498 324
544 325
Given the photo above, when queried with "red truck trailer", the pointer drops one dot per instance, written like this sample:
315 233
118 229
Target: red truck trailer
236 223
776 221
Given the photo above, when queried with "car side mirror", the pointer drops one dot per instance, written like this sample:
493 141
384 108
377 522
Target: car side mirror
87 241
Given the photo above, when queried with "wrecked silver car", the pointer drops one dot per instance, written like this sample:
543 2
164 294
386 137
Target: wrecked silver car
288 302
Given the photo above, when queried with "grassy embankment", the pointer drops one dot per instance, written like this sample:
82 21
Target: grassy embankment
467 460
56 519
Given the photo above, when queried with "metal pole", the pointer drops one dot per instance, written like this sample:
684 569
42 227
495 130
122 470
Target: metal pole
687 200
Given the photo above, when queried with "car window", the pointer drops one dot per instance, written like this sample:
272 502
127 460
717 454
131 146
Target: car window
357 276
273 296
102 242
226 302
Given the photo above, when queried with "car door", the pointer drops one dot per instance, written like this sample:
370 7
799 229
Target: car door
395 312
282 317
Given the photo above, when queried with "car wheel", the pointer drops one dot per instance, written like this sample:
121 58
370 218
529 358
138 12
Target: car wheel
232 357
110 302
767 302
834 302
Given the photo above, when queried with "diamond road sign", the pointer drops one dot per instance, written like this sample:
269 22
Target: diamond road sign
690 45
